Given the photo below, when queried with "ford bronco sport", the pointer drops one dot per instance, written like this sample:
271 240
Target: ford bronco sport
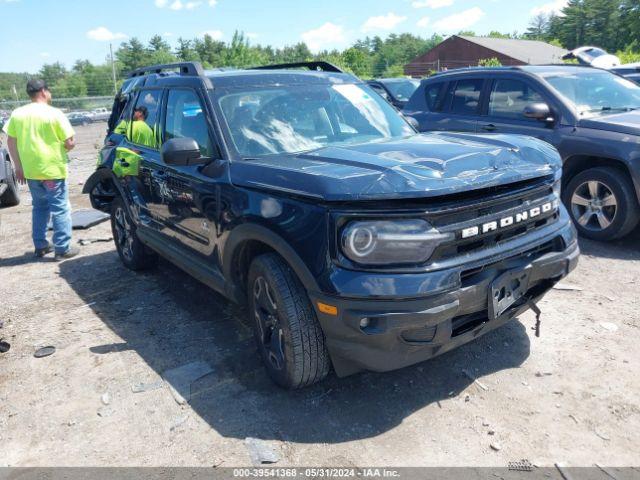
355 242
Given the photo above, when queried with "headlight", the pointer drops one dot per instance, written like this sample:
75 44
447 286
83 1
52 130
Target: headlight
557 187
390 242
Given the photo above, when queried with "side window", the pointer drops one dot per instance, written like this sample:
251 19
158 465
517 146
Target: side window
509 97
139 125
186 119
463 96
432 93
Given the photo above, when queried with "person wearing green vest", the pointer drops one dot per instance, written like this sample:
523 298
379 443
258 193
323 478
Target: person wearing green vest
138 131
39 138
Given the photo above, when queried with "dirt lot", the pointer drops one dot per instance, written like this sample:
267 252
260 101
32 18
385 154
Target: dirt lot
570 396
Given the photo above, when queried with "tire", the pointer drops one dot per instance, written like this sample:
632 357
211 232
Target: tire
11 196
602 203
289 337
133 253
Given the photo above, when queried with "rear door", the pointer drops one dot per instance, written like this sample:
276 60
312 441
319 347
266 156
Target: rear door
508 96
138 156
461 108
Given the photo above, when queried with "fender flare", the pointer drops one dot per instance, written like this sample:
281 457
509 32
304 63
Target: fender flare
250 231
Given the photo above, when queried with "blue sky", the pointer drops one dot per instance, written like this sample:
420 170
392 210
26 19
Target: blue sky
33 32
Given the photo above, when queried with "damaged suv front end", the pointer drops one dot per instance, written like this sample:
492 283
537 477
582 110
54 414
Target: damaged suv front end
431 240
355 242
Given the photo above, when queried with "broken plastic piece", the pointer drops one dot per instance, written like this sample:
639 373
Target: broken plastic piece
86 218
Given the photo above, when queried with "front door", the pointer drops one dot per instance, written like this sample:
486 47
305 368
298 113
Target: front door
191 195
505 114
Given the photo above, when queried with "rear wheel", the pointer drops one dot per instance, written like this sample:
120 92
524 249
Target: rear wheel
602 203
289 337
133 253
11 196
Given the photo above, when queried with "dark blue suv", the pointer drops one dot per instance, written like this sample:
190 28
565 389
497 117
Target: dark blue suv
590 115
355 242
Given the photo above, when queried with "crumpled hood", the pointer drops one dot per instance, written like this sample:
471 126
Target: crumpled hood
625 122
425 165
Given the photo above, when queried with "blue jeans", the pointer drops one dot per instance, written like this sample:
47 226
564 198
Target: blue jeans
50 199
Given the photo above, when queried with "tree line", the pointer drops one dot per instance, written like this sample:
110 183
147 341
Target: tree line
611 24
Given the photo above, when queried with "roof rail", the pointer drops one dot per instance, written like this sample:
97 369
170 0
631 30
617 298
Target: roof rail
190 69
316 65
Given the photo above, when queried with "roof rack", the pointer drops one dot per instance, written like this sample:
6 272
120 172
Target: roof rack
190 69
319 65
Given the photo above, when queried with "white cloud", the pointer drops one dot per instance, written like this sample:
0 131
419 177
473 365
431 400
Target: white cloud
167 34
423 22
103 34
214 34
45 54
459 21
383 22
325 35
251 35
213 3
179 4
431 3
555 6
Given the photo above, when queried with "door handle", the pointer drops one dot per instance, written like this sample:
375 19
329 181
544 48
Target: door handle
489 127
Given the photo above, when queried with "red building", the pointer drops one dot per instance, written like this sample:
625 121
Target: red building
461 51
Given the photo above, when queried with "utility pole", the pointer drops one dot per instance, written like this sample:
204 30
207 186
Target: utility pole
113 70
15 92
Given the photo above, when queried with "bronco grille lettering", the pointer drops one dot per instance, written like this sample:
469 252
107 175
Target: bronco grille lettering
509 221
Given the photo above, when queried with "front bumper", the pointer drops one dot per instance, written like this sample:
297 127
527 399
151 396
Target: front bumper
402 331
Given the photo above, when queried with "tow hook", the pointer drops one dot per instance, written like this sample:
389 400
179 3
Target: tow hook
537 311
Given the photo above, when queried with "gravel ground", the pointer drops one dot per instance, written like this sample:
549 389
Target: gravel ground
570 396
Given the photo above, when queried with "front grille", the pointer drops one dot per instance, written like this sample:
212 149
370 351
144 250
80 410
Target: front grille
456 220
555 245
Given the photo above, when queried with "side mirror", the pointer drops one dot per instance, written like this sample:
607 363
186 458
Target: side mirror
538 111
181 152
413 122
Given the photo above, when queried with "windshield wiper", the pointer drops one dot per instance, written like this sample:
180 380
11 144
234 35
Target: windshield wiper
609 109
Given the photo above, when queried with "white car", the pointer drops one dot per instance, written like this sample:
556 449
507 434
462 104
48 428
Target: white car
100 114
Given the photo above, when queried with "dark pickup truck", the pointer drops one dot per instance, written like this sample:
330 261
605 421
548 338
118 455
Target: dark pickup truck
355 242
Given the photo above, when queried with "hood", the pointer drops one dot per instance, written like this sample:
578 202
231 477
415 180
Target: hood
624 122
425 165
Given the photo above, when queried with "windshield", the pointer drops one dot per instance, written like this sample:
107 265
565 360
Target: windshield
597 92
291 119
402 89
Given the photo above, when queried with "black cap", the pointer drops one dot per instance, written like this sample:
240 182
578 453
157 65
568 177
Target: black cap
35 85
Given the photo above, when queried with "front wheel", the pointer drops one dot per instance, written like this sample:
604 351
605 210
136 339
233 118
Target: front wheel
602 203
289 337
133 253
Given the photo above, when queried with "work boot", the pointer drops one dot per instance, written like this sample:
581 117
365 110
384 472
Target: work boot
41 252
72 252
